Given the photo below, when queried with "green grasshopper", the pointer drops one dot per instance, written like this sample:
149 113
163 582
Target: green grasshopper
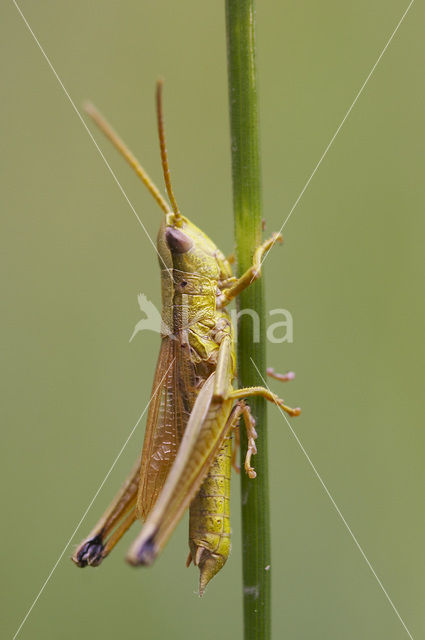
187 452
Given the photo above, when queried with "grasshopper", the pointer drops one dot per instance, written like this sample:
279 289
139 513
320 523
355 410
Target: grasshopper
187 451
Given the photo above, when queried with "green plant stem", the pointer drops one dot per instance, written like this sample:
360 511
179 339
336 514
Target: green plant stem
248 227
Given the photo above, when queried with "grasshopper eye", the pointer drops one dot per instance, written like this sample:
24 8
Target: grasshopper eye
178 241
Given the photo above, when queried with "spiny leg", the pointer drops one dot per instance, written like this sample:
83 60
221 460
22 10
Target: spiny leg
243 409
251 274
251 434
249 420
119 516
248 392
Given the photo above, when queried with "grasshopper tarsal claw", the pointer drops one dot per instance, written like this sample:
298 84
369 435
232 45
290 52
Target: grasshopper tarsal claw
91 553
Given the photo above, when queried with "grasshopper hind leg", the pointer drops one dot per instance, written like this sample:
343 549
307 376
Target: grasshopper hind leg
90 552
116 520
209 520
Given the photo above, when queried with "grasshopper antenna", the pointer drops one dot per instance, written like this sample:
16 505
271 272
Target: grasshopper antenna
106 128
164 158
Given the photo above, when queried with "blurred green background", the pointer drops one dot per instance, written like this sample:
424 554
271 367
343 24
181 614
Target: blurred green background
351 273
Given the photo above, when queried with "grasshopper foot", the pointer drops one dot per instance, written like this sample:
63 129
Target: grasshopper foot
143 554
89 553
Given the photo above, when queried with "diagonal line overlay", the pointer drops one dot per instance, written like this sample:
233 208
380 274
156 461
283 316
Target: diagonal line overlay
337 509
341 124
111 171
153 244
44 585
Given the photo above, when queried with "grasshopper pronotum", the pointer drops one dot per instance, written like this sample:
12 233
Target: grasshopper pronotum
186 457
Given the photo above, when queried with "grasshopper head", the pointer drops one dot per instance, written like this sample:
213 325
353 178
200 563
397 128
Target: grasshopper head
183 246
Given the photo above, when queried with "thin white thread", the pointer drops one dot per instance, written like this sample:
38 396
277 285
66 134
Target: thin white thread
153 244
318 476
89 506
90 134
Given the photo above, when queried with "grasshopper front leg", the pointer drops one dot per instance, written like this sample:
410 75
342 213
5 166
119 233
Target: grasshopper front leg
251 274
118 517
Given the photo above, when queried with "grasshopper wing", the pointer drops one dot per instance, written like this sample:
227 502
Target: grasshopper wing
173 395
203 436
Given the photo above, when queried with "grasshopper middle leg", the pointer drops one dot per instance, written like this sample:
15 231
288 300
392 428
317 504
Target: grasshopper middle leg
248 392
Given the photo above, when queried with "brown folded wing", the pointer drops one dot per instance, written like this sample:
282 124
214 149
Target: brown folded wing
173 396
